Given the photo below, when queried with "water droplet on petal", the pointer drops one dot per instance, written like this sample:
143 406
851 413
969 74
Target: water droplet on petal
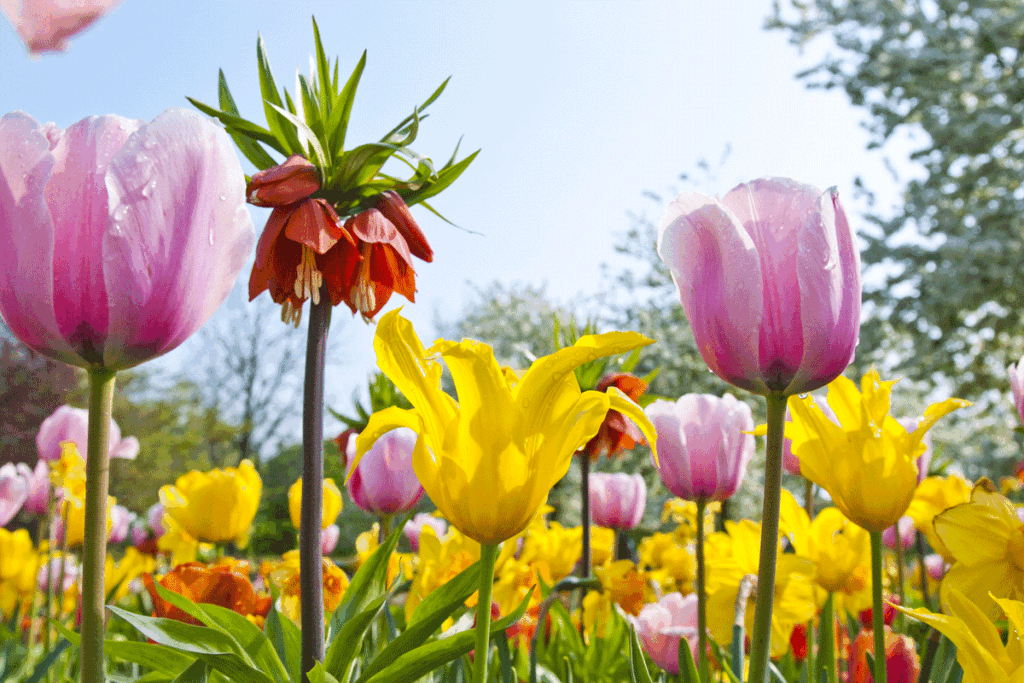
210 236
120 212
141 157
149 144
116 230
147 191
223 197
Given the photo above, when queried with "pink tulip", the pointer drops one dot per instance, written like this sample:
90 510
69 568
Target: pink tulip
13 492
120 520
384 482
38 487
769 278
71 572
72 424
702 448
908 534
139 535
935 565
46 25
924 461
662 624
414 527
1016 373
155 519
118 238
329 539
617 500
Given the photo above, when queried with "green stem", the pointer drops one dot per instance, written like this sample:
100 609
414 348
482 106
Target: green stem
383 528
761 636
702 598
94 544
878 616
585 512
488 554
826 627
809 498
311 569
899 579
919 545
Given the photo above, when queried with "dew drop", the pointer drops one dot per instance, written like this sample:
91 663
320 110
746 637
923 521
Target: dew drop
116 230
119 213
147 191
210 236
149 144
142 157
223 197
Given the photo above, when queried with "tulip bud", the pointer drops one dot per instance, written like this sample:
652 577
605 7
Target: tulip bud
393 207
384 481
617 500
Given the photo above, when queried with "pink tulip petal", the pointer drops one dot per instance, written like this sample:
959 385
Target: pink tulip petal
26 237
46 25
1017 386
172 261
715 267
127 448
13 492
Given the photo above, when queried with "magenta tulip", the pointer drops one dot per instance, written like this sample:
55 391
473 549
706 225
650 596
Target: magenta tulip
46 25
662 624
38 487
617 500
935 565
118 238
908 534
72 424
414 527
51 571
703 451
13 492
769 278
121 519
329 539
155 519
384 483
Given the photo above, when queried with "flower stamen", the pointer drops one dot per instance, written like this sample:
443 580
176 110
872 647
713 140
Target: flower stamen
309 280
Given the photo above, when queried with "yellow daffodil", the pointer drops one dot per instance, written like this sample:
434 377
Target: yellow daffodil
979 646
684 513
72 511
623 584
19 563
367 544
935 495
332 502
835 545
215 506
671 563
284 575
119 575
867 462
986 540
70 466
735 554
489 461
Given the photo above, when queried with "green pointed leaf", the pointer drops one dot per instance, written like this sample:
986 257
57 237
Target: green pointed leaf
337 123
637 665
687 667
323 68
178 635
358 165
317 150
445 177
43 665
349 640
420 109
428 617
256 645
410 132
368 583
287 641
424 659
239 125
319 675
271 99
197 672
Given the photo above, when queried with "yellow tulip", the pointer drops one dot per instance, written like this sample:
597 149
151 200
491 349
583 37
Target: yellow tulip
867 462
332 502
835 545
489 461
119 575
985 538
19 562
979 646
215 506
285 576
935 495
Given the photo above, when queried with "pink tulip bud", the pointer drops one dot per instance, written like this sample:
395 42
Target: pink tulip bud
935 565
414 527
120 237
46 25
662 624
121 518
384 483
702 448
908 534
329 539
71 572
1016 373
617 500
38 487
769 277
154 518
139 535
13 492
72 424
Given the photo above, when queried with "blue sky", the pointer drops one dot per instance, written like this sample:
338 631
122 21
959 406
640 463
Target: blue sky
578 107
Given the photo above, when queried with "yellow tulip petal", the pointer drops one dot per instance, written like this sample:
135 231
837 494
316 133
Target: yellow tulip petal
379 424
973 534
622 403
1014 610
877 396
975 584
978 663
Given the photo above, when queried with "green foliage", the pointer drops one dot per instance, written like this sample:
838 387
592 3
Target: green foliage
564 653
383 394
944 306
314 124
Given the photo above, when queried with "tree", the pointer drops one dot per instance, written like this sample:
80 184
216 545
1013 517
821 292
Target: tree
945 306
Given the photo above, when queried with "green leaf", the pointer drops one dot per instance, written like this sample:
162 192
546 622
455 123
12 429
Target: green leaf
319 675
178 635
337 123
198 672
323 68
368 583
240 125
445 177
247 146
420 109
687 667
428 617
426 658
252 640
287 641
348 642
637 665
271 98
776 674
44 664
410 131
311 139
311 109
358 165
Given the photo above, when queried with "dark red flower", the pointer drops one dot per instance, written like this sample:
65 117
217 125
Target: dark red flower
216 585
617 432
